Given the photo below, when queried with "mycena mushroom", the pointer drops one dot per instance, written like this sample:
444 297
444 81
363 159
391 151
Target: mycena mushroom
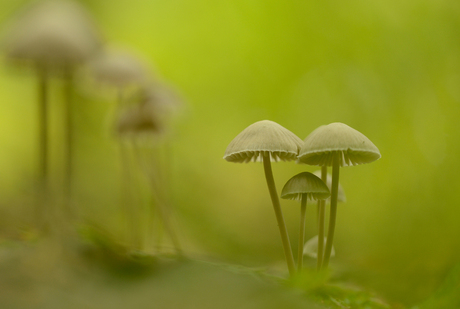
301 187
54 37
336 145
267 141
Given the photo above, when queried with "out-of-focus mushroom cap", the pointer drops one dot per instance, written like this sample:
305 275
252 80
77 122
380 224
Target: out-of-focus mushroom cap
311 247
354 148
119 69
165 100
52 33
138 119
305 183
341 194
263 138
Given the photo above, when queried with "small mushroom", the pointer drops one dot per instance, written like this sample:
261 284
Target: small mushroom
139 119
301 187
336 145
311 247
267 141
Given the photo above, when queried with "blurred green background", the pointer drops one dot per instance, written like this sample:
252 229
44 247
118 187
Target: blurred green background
389 69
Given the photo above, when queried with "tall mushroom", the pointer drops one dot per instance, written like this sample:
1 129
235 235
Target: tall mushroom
53 36
336 145
301 187
267 141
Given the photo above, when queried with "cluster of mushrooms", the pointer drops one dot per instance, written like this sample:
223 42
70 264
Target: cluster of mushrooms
333 145
58 39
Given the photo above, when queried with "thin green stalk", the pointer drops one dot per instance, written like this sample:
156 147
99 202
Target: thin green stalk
157 200
42 210
303 208
68 88
321 219
43 123
333 212
279 215
129 184
128 200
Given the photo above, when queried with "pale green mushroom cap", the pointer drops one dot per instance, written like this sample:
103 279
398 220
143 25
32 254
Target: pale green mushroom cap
119 68
263 138
305 183
52 32
341 194
311 247
138 119
354 148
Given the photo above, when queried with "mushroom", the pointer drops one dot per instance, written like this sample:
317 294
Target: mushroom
52 36
121 70
311 247
301 187
135 121
267 141
336 145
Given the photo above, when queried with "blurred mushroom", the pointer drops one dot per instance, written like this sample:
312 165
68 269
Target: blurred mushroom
267 141
54 36
121 70
137 120
336 145
301 187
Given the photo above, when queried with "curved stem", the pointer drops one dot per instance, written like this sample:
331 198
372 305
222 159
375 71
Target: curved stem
279 215
321 215
333 213
303 208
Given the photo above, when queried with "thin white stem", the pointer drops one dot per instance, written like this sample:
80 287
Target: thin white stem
333 213
303 208
279 215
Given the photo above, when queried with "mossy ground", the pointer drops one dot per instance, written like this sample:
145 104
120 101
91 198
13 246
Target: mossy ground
98 273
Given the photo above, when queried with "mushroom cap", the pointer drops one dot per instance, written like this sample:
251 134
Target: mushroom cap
341 194
52 32
263 138
119 68
354 148
139 119
305 183
311 247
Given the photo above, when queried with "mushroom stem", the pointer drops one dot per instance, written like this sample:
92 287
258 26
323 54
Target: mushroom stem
321 219
303 208
163 213
68 88
42 210
279 214
43 121
333 212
